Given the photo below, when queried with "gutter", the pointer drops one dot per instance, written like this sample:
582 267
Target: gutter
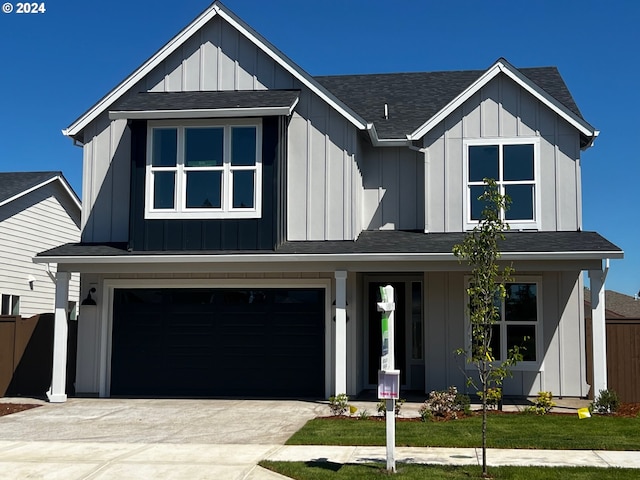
315 257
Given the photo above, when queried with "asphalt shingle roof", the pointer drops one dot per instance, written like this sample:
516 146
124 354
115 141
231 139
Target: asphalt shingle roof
413 98
14 183
149 101
382 242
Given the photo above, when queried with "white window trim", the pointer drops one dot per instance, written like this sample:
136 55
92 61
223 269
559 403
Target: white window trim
536 366
226 211
14 301
534 224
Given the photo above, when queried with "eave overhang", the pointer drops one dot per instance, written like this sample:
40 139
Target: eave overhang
287 258
587 131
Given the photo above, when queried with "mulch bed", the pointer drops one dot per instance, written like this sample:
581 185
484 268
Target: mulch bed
625 410
9 408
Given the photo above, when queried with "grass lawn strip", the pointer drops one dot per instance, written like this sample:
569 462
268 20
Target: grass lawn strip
565 432
337 471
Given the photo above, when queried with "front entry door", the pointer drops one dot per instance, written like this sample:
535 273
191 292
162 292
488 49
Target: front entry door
409 357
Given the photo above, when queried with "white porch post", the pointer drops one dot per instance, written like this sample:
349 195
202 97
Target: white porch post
57 391
341 333
598 331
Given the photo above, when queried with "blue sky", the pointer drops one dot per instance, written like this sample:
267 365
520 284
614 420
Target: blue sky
57 64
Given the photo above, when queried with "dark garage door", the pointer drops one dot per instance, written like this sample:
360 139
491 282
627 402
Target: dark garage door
218 342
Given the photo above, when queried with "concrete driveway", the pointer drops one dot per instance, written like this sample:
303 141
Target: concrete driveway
149 438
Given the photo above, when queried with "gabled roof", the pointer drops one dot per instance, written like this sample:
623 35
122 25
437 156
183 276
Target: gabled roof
176 42
14 185
418 101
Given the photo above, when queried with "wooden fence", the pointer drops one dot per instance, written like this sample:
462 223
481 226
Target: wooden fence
623 357
26 355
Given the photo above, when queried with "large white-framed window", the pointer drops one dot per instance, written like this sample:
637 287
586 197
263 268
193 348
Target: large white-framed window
515 165
204 169
520 323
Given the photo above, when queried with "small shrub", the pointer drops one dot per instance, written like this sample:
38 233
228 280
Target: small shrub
542 404
425 413
494 397
339 404
606 402
382 407
463 403
445 404
363 415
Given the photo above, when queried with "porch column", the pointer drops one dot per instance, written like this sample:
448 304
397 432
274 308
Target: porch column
341 332
598 331
56 393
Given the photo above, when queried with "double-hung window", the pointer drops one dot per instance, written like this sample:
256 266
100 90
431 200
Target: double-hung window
520 323
204 170
513 164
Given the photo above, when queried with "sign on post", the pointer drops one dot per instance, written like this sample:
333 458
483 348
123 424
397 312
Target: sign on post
388 377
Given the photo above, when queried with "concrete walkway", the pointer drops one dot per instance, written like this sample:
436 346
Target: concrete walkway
209 439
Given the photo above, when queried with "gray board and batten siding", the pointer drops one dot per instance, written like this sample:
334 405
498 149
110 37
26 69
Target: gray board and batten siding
561 370
501 109
323 179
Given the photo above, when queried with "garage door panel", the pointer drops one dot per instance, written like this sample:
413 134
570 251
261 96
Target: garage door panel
213 342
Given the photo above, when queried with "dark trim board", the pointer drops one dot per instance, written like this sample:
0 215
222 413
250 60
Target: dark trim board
209 342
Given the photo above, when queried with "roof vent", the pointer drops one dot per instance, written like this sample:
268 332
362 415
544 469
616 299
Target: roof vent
386 111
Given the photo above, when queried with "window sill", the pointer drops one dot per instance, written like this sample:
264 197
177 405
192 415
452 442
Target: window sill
233 215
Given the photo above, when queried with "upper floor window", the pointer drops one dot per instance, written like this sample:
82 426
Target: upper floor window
514 164
204 170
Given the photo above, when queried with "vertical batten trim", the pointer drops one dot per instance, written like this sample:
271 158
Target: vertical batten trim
556 171
327 179
308 179
500 119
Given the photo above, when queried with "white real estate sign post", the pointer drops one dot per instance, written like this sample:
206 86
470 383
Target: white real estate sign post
388 377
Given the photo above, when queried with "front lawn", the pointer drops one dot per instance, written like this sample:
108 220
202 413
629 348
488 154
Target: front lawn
504 431
336 471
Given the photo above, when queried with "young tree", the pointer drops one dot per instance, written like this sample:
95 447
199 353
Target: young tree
486 291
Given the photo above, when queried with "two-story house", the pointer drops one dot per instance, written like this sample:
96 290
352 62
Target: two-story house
240 214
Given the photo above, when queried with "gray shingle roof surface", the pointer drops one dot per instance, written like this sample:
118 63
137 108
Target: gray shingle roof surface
618 304
14 183
149 101
413 98
382 242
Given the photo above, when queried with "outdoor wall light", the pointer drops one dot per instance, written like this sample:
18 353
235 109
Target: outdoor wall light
89 300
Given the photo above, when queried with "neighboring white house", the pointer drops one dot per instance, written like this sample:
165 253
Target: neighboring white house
38 211
240 214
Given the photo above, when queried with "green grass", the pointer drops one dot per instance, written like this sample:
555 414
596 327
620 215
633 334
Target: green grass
503 431
336 471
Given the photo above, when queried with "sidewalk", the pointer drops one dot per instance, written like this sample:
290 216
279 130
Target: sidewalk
57 460
459 456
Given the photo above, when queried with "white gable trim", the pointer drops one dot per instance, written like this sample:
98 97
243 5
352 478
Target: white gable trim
502 66
65 185
176 42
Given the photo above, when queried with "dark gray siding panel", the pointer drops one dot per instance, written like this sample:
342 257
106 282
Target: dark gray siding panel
246 234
